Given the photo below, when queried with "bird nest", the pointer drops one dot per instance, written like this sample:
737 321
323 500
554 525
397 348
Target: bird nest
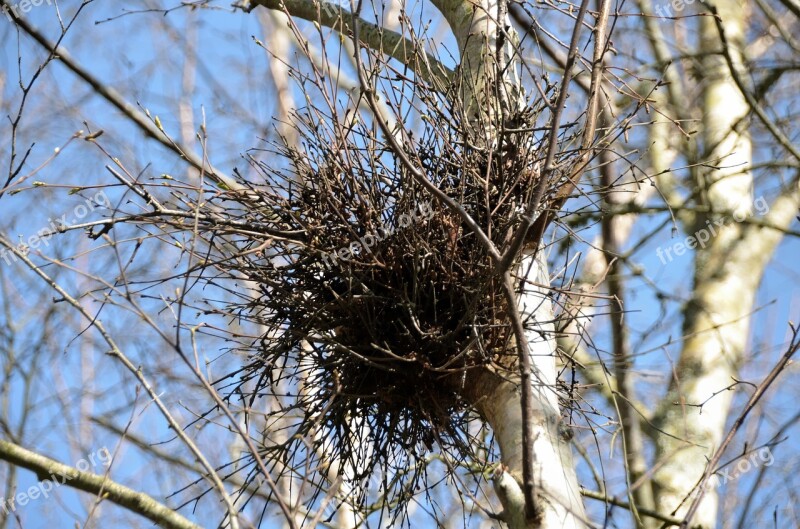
375 298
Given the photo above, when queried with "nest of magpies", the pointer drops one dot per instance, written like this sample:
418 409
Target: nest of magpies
375 298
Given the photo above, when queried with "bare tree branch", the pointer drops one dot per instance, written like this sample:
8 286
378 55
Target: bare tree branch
762 388
380 39
101 486
140 119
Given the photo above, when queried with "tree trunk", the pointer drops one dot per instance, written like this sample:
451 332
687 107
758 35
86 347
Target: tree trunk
490 88
497 397
716 319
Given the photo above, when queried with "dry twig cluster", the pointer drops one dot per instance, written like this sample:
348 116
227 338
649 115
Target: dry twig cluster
374 300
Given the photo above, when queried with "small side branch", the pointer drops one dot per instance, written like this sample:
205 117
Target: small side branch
142 121
669 521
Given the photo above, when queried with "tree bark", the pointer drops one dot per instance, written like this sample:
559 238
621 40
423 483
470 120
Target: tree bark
497 397
716 319
490 89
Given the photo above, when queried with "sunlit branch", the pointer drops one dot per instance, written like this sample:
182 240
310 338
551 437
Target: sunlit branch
379 39
101 486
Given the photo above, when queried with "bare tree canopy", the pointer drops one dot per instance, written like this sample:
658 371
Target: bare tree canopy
460 263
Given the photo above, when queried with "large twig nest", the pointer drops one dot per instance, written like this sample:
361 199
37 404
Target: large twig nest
383 299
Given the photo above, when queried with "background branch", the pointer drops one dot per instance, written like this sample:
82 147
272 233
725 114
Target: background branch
101 486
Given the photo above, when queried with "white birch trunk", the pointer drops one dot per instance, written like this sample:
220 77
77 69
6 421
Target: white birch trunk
486 97
498 399
716 321
474 24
